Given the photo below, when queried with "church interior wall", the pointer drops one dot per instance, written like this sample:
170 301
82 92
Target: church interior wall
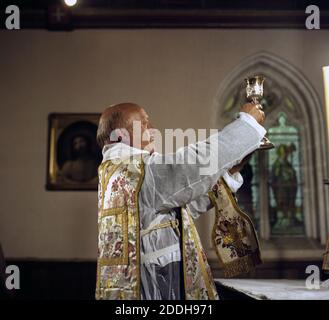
175 74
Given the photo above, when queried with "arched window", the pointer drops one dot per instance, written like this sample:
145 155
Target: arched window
283 193
283 190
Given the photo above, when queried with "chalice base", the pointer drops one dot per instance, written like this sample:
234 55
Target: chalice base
266 144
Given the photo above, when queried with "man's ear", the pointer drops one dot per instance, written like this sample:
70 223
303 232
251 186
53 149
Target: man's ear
120 135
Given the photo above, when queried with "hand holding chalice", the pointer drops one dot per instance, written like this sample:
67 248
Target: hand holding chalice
254 91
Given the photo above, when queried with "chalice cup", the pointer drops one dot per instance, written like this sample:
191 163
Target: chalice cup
254 91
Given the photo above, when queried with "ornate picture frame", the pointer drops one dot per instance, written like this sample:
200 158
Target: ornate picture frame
73 153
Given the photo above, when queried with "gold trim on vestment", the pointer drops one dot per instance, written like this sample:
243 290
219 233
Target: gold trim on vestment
213 233
112 211
170 223
110 168
141 179
201 259
235 205
183 251
242 264
124 258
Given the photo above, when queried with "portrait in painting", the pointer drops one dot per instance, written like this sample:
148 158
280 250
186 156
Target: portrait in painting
73 153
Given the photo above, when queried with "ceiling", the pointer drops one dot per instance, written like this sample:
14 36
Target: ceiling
166 13
177 4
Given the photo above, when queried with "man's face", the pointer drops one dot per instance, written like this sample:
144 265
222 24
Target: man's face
140 138
79 145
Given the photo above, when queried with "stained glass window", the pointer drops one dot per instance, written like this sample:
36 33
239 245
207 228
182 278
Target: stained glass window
248 194
285 179
283 188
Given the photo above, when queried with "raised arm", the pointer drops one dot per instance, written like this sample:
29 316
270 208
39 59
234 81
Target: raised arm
168 183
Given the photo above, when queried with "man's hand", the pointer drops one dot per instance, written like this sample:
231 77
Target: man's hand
240 165
255 110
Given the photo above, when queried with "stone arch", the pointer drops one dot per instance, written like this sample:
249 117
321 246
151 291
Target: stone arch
309 114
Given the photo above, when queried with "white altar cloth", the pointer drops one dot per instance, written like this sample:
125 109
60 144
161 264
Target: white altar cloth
278 289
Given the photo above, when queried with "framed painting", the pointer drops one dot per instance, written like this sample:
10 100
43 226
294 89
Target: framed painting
73 153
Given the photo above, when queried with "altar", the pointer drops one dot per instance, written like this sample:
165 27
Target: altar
269 289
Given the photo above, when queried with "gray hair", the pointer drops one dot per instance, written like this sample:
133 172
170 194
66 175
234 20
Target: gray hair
107 125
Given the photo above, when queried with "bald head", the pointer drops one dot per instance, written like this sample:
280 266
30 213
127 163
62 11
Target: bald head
121 108
116 117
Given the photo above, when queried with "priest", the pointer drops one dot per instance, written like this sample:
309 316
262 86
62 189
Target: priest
148 246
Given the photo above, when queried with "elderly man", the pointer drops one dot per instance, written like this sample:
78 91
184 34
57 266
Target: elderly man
148 245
